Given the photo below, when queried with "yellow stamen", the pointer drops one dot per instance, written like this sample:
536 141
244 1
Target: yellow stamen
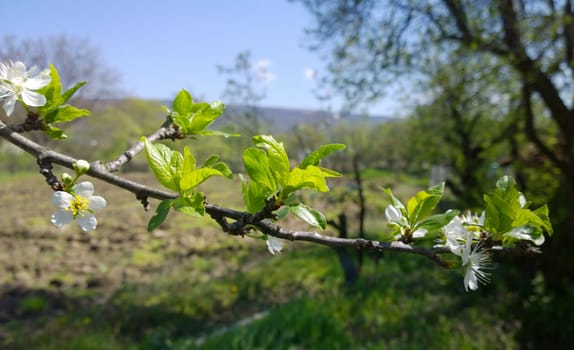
79 205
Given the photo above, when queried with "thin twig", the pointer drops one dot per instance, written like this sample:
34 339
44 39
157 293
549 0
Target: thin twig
243 221
166 131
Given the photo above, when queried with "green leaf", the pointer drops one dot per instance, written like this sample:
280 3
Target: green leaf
195 178
211 160
254 195
542 213
502 206
223 169
215 133
330 173
55 133
505 184
183 102
188 161
71 91
316 156
499 215
423 203
192 205
193 117
159 158
278 160
437 221
395 202
310 215
203 114
160 214
52 92
282 212
291 200
181 120
256 163
311 177
54 110
65 113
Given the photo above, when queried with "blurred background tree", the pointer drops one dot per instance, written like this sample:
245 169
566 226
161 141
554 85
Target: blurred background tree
497 79
77 60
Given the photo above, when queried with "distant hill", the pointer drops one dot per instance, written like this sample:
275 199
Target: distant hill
279 119
284 119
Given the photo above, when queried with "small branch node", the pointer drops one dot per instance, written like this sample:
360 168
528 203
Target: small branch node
143 199
46 171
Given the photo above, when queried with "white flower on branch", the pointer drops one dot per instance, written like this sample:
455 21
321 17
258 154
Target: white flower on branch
458 239
80 205
395 217
17 83
81 167
274 245
476 262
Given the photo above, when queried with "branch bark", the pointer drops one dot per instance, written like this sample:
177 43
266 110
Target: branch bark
243 221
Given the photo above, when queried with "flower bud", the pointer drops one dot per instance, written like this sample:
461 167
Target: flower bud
67 179
81 167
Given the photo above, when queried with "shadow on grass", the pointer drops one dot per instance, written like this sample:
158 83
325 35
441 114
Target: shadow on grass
401 302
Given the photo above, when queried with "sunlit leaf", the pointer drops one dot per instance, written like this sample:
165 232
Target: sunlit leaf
192 205
256 164
437 221
159 158
423 203
310 215
278 160
182 103
311 177
316 156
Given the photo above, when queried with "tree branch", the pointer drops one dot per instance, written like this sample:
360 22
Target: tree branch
166 131
97 170
244 221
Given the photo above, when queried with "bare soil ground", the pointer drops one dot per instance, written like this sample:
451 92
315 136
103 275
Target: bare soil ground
40 260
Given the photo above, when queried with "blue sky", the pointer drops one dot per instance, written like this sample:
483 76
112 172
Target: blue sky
159 47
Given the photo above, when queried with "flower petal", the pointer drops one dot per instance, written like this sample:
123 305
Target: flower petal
470 280
420 233
87 221
392 213
33 99
97 202
38 82
274 245
84 189
9 104
16 70
62 199
62 217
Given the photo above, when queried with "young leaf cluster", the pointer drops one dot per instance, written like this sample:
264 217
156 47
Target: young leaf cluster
414 219
179 172
56 109
271 178
192 118
509 218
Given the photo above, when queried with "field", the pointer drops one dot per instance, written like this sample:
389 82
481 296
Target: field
188 285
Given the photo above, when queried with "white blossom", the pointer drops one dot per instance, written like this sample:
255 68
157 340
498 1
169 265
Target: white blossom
458 239
17 83
274 245
395 216
80 205
477 261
